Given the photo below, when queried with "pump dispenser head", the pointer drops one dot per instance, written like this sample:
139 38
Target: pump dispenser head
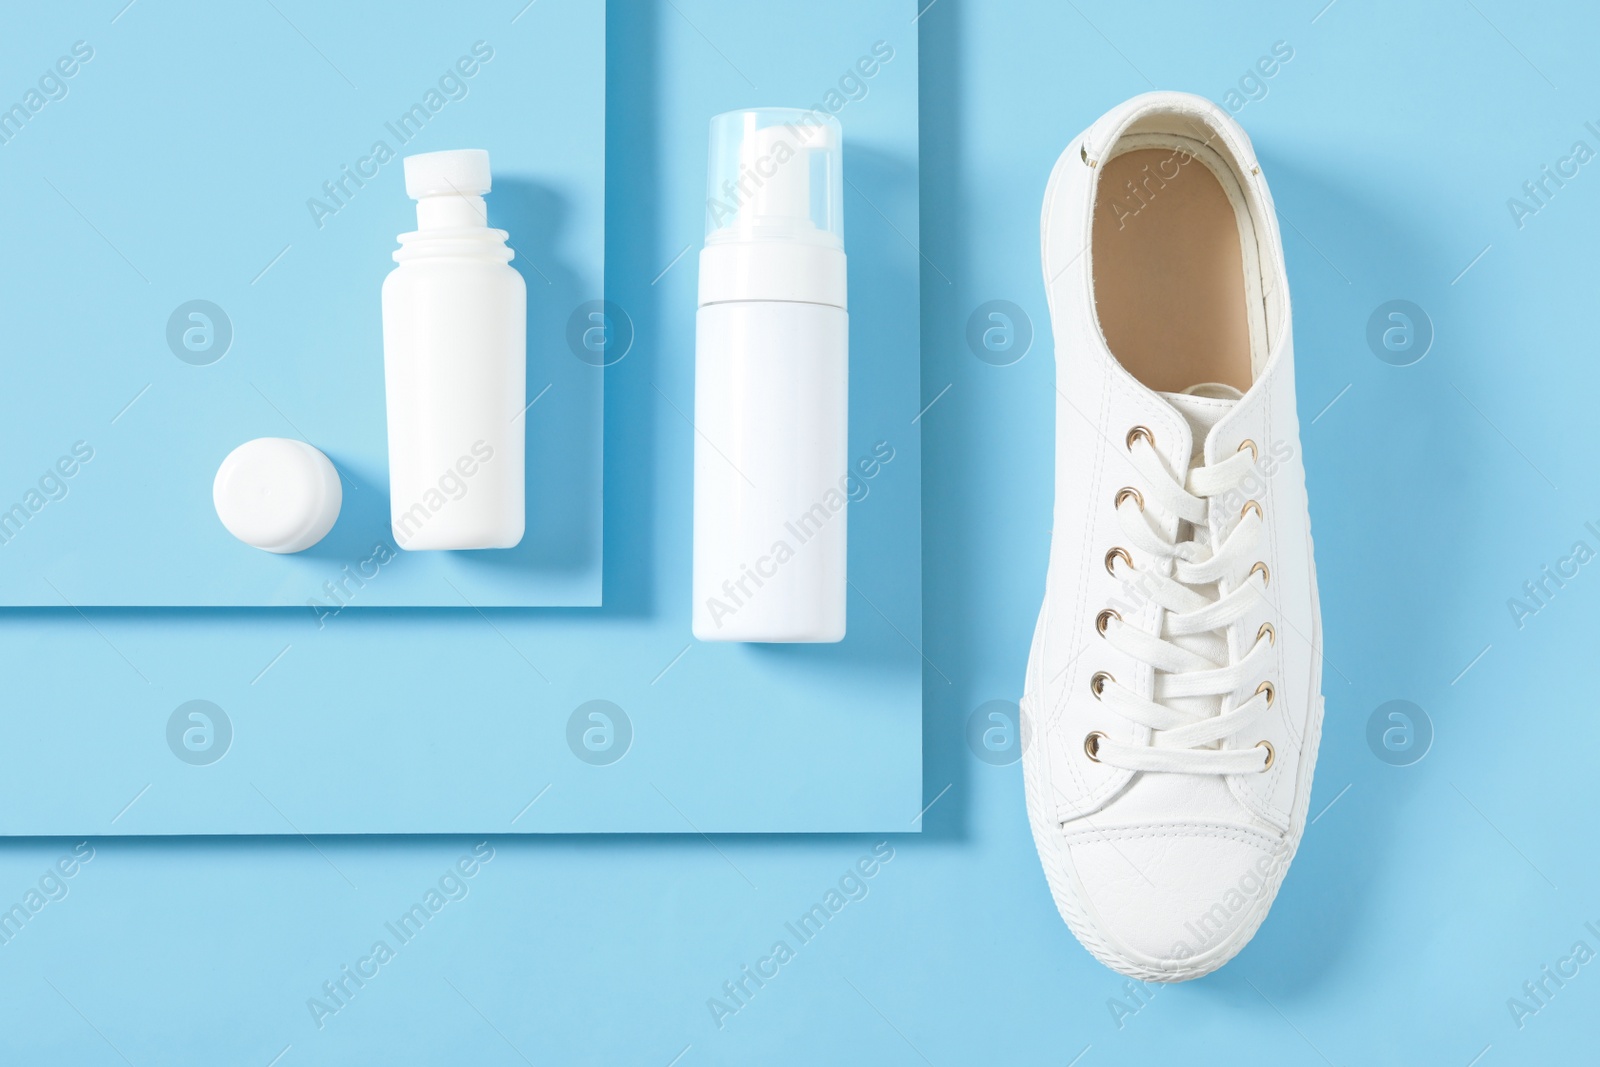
774 208
448 187
775 174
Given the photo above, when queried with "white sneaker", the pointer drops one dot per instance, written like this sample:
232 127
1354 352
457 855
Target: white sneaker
1173 700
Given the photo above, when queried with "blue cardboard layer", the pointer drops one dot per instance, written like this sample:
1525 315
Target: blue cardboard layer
202 206
485 719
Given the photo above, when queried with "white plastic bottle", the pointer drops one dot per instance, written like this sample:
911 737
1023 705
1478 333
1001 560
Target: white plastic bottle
771 383
455 365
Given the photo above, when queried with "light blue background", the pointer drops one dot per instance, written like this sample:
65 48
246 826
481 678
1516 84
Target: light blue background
457 720
1423 897
178 167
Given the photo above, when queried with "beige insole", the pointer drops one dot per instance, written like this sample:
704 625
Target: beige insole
1169 273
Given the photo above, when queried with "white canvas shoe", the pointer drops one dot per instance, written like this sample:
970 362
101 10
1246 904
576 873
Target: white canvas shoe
1173 700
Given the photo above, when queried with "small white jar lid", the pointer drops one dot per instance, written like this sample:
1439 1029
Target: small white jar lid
277 494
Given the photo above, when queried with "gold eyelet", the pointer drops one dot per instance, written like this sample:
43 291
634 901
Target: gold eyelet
1251 445
1138 432
1268 632
1114 555
1097 684
1255 506
1102 620
1271 754
1127 493
1266 575
1091 744
1266 687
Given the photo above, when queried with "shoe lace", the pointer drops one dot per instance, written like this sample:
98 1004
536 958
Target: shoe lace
1203 588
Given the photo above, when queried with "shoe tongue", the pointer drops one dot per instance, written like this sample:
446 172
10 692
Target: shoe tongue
1203 406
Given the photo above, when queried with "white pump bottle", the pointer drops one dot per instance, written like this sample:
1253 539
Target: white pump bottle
771 383
455 365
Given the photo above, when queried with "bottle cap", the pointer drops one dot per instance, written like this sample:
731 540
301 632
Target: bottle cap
460 172
776 173
277 494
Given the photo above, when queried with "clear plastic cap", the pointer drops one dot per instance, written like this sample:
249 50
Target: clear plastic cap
776 174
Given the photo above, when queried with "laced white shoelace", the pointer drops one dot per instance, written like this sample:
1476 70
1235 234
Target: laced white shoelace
1183 575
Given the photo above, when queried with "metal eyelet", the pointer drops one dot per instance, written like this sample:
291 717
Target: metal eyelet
1266 687
1255 454
1097 684
1266 575
1138 432
1268 632
1102 620
1127 493
1255 506
1271 754
1091 744
1114 555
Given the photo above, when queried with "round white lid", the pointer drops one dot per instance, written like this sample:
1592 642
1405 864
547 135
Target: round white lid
277 494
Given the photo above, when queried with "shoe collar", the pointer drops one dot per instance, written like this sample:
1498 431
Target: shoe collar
1107 130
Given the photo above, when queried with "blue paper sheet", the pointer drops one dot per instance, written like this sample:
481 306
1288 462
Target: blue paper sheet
199 216
477 718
